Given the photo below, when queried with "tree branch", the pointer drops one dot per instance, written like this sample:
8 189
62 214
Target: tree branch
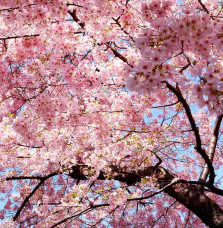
117 22
42 179
16 37
203 7
117 54
81 213
38 177
24 178
195 129
157 192
82 24
73 216
168 105
212 147
76 19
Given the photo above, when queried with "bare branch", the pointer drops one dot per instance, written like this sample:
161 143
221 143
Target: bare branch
42 179
119 25
37 177
17 7
76 19
168 105
73 4
195 129
157 192
16 37
203 7
212 147
24 178
117 54
81 213
26 200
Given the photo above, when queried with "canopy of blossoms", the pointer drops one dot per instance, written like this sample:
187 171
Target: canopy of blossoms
110 113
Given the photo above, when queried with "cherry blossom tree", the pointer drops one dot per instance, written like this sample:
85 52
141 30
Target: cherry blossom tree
111 113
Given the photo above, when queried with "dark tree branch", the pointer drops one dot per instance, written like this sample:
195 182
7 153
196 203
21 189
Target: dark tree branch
188 217
168 105
119 25
157 192
37 177
195 129
212 147
186 66
24 178
26 200
19 144
16 37
42 179
76 19
17 7
203 7
81 213
117 54
82 24
188 60
71 217
153 225
73 4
